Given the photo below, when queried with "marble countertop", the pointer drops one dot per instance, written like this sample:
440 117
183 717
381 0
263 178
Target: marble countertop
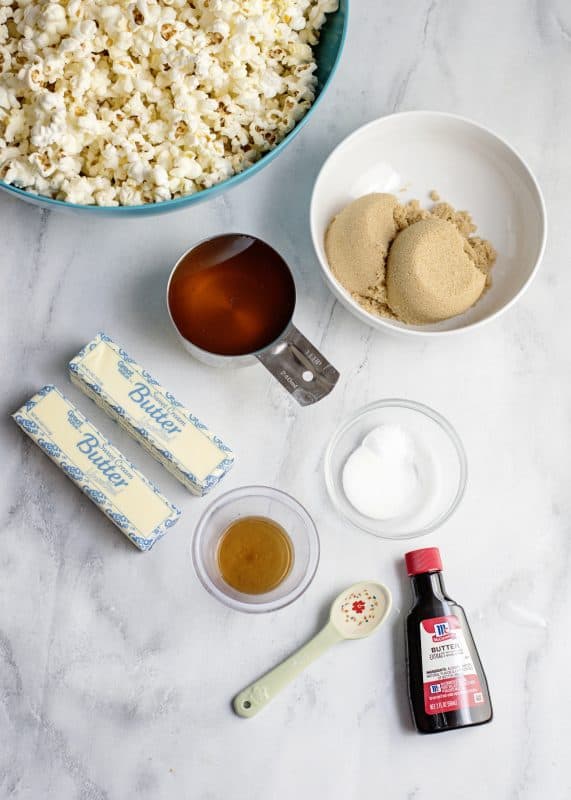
116 667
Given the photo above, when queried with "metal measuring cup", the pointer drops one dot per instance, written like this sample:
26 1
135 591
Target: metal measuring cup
291 358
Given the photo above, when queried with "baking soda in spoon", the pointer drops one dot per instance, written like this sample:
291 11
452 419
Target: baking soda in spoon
384 477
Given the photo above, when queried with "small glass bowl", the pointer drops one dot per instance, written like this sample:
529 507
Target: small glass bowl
256 501
440 444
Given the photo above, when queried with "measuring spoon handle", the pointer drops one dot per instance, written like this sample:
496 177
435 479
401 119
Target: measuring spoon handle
259 694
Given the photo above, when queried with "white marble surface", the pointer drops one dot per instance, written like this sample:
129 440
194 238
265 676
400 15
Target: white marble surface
116 668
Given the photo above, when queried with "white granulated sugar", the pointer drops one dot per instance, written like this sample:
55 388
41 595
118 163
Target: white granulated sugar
131 102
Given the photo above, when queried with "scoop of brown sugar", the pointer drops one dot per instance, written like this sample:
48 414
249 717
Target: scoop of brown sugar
402 261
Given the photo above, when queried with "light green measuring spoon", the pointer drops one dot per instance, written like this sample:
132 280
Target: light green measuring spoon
355 613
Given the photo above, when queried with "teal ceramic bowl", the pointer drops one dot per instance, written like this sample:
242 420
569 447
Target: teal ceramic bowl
328 53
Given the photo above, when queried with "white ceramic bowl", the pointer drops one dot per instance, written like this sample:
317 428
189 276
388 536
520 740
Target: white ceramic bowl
442 462
471 168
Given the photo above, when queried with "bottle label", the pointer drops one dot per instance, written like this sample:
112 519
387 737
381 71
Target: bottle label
448 673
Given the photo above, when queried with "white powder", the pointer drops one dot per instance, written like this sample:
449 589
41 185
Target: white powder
383 477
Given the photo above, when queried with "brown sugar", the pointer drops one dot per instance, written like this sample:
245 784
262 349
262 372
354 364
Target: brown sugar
406 262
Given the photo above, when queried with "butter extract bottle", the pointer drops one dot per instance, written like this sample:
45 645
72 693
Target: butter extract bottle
446 683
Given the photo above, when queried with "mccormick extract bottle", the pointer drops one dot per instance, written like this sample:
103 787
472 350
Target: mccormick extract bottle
447 685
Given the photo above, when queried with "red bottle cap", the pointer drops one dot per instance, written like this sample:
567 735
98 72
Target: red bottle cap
427 559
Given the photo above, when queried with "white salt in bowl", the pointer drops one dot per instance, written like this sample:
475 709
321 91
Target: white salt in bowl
441 460
471 168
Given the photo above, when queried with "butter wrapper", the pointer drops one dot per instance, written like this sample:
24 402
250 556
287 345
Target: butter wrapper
126 392
124 495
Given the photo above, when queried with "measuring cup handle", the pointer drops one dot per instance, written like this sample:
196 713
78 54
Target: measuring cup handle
258 694
299 367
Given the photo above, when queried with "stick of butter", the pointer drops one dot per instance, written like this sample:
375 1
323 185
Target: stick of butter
171 434
131 501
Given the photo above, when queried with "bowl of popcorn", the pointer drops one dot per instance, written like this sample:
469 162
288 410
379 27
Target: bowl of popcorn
150 106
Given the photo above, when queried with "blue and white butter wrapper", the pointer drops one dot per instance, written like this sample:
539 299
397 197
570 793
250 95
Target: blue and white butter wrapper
124 495
132 397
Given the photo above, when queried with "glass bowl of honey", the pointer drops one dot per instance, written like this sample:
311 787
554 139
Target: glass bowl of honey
256 549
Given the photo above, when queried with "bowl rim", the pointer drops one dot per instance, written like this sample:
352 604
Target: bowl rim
312 536
411 405
205 194
382 324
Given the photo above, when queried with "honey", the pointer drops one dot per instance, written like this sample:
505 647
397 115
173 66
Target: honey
232 295
254 555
